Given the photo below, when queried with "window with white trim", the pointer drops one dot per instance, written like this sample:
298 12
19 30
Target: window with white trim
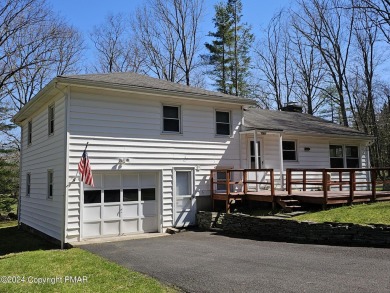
49 183
344 156
29 132
289 150
28 184
171 119
222 121
50 122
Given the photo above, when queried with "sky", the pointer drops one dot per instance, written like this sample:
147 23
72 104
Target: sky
84 14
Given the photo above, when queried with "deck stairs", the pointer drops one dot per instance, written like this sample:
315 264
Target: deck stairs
289 203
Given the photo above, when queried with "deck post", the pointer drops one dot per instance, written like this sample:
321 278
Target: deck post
288 181
373 184
228 191
272 181
304 180
325 187
340 180
352 183
245 181
212 187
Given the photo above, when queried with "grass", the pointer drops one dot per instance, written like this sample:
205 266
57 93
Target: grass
33 260
375 213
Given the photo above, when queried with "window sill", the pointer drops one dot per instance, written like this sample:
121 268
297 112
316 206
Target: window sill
171 133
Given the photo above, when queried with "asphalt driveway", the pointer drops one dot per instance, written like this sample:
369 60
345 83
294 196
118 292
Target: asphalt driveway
208 262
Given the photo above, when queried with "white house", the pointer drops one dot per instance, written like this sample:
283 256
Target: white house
151 145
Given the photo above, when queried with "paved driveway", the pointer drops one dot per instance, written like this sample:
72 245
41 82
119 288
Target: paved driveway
207 262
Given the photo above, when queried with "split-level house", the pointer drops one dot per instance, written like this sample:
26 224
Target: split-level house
151 146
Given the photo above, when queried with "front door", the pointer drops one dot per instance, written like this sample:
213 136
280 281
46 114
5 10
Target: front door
185 209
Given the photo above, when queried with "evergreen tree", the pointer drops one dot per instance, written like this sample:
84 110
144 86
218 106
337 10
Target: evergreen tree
229 50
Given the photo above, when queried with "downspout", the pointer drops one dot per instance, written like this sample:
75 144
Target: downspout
281 176
239 137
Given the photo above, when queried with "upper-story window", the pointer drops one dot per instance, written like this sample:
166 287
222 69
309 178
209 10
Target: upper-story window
289 150
50 183
28 184
222 121
171 119
29 132
344 156
50 121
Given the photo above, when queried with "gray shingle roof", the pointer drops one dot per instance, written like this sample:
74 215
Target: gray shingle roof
143 82
292 122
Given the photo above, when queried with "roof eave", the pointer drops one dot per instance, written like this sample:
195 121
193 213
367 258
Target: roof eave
155 91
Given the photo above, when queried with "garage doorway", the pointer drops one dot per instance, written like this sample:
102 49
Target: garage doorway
120 203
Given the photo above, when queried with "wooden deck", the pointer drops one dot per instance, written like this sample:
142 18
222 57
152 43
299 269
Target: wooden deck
342 190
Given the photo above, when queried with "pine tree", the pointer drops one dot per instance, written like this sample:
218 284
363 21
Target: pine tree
229 51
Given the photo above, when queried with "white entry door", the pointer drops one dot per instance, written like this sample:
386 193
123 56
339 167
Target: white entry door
120 203
185 208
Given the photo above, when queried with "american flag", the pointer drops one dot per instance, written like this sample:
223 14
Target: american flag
85 169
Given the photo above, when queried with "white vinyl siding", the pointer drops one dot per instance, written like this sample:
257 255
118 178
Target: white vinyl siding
45 153
122 126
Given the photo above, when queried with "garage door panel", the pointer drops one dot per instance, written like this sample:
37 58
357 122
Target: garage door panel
130 210
130 181
112 211
112 181
92 213
149 208
148 224
111 227
91 229
130 226
147 180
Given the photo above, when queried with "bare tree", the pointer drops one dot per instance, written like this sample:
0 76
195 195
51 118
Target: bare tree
381 11
115 50
35 45
328 28
309 70
167 32
274 63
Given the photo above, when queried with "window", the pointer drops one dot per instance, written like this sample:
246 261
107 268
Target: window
289 151
50 183
92 196
112 195
29 132
352 156
339 160
253 157
51 119
171 119
28 184
221 177
130 194
222 120
183 182
148 194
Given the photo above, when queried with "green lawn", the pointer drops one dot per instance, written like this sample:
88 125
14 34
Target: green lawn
376 213
33 261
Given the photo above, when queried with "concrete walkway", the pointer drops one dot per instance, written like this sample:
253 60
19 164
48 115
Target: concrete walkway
208 262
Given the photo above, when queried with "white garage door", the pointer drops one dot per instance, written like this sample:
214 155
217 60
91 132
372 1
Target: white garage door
120 203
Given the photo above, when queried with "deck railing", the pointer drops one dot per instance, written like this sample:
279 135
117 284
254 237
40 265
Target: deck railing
241 177
324 179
